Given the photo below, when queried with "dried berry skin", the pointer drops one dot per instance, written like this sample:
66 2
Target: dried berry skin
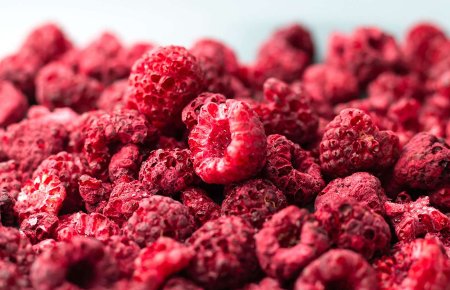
125 163
94 193
124 251
190 113
441 199
7 214
361 187
228 144
292 169
163 81
352 143
10 178
14 104
200 205
39 226
114 96
159 216
342 269
179 283
136 50
288 242
254 200
224 254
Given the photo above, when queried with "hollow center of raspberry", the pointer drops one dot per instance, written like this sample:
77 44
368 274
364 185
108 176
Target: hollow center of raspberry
81 274
219 138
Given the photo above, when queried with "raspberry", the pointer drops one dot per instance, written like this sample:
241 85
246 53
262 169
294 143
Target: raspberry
124 252
228 144
45 193
58 86
167 171
160 260
170 143
40 226
415 219
10 178
114 96
352 226
292 169
224 254
441 199
81 264
125 163
163 81
94 193
288 242
159 216
190 113
179 283
286 53
7 215
352 143
360 187
265 284
10 277
338 269
434 114
14 104
93 225
254 200
64 116
200 205
287 111
124 200
16 248
423 163
48 244
137 50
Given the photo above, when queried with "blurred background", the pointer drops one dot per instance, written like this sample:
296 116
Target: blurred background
242 24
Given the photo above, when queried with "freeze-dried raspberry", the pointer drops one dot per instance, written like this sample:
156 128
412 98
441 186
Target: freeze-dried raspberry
58 86
443 237
361 187
113 97
10 277
254 200
64 116
170 143
265 284
136 51
286 53
179 283
365 53
287 111
125 163
353 226
288 242
39 226
48 244
94 192
159 216
225 255
7 214
163 81
420 264
415 219
14 104
124 251
404 113
159 260
10 178
338 269
45 193
124 200
93 225
81 264
292 169
228 144
167 171
441 199
200 205
353 143
190 113
434 114
16 248
424 163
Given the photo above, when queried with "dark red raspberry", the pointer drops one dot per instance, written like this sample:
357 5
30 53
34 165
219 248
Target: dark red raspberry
434 114
14 104
93 225
39 226
170 143
159 260
420 264
16 248
228 144
94 192
10 178
114 96
441 199
179 283
159 216
225 255
361 187
415 219
265 284
338 269
424 163
124 251
254 200
81 264
286 53
293 170
10 277
7 214
443 237
190 113
163 81
288 242
404 113
200 205
58 86
125 163
353 143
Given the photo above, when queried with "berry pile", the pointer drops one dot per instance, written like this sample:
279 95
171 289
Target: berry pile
165 167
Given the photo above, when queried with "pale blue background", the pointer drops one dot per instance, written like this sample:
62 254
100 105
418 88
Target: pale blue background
242 24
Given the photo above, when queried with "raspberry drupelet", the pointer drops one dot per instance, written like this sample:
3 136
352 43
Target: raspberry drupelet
201 206
14 104
190 113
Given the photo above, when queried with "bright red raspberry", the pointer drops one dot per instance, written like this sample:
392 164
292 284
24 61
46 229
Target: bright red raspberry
10 178
225 255
338 269
114 96
125 163
39 226
201 206
361 187
353 143
94 192
180 283
288 242
124 251
293 170
159 216
415 219
7 214
265 284
190 113
81 264
11 278
441 199
254 200
93 225
14 104
163 82
159 260
228 144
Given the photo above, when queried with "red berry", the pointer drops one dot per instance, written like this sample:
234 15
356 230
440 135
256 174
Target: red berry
125 163
179 283
94 192
137 50
7 214
265 284
114 96
14 104
170 143
11 278
200 205
124 251
40 226
10 178
16 248
441 199
190 113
